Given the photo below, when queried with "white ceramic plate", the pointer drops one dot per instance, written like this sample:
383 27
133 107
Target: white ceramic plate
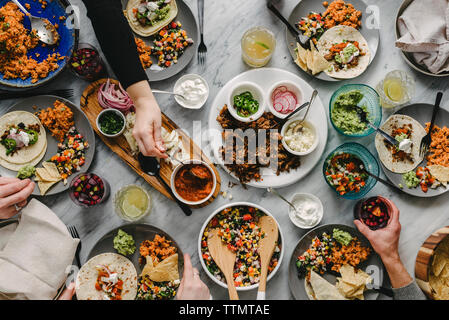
265 78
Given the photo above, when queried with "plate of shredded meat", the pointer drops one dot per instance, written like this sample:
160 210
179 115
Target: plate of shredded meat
25 62
254 164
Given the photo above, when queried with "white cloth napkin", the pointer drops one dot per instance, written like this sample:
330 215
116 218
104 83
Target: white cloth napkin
424 30
34 262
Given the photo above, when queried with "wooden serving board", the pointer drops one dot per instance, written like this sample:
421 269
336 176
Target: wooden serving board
91 107
425 257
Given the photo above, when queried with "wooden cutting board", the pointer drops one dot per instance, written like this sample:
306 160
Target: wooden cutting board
91 107
425 257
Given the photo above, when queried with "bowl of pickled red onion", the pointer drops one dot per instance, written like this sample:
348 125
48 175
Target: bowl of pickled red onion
284 97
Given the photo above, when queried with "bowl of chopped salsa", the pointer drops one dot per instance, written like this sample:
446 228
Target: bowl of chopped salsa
238 228
345 170
193 182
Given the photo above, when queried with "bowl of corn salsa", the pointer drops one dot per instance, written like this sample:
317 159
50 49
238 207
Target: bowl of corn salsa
237 223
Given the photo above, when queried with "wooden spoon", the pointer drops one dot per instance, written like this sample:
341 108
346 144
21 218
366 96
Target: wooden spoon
266 249
225 260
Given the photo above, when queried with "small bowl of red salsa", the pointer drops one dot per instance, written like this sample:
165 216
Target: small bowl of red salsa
374 212
87 63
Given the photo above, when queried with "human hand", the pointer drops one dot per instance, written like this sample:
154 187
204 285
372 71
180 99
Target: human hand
147 128
13 192
192 288
68 292
384 241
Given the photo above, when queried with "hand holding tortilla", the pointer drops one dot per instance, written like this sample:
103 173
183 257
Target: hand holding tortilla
13 192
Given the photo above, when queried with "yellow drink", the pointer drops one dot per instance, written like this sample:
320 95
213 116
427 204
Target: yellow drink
132 203
258 45
394 89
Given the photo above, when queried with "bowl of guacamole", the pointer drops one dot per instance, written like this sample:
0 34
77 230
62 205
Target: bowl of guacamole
344 116
124 243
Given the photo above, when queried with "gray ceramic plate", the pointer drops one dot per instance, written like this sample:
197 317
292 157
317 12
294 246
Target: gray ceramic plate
81 123
188 21
421 112
373 264
408 56
304 7
139 232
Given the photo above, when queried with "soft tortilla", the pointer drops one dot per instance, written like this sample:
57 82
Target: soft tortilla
150 30
87 277
16 167
318 288
418 131
336 35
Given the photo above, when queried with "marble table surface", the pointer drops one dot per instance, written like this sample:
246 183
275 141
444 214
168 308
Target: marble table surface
225 22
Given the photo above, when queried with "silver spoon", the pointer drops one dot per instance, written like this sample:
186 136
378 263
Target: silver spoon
168 92
299 126
271 190
45 30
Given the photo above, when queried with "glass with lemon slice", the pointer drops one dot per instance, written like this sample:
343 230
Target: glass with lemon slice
132 203
258 45
397 88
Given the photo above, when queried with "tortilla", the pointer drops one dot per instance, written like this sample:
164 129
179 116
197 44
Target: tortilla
146 271
439 172
166 270
318 288
87 277
336 35
27 155
352 284
150 30
418 131
439 271
301 57
311 59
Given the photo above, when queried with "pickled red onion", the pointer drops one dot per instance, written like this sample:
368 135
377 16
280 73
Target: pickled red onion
111 96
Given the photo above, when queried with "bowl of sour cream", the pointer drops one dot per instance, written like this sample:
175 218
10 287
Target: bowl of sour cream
299 138
195 90
308 211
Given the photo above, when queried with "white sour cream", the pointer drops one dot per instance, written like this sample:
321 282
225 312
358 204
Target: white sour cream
309 210
405 145
194 89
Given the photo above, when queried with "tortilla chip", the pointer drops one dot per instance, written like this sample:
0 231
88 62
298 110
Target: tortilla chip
45 186
439 262
166 270
301 55
52 169
148 267
352 284
43 175
439 172
309 59
319 63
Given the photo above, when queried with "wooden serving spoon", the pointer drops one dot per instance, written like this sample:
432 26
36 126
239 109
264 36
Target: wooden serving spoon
266 249
225 260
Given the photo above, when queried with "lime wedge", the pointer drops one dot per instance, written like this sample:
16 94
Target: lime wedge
131 210
394 89
263 45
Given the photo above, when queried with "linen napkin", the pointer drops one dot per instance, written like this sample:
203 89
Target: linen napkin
424 30
34 262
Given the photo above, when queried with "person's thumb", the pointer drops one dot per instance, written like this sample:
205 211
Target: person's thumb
363 228
157 134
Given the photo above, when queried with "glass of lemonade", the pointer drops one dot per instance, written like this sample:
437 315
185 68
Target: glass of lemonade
258 45
132 202
396 89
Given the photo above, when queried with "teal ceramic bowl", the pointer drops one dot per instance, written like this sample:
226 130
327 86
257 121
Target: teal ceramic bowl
370 102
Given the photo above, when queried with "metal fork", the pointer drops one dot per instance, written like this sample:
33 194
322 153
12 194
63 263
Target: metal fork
427 139
75 235
202 49
63 93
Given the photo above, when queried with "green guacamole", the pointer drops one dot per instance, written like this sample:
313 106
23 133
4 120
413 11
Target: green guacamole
26 172
124 243
343 237
343 114
410 179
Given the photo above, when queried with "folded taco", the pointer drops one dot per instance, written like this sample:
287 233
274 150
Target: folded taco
107 276
347 51
147 17
400 127
23 140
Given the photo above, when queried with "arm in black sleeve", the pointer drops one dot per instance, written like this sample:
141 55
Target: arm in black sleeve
116 40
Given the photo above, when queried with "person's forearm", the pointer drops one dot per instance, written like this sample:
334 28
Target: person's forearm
116 40
399 277
141 91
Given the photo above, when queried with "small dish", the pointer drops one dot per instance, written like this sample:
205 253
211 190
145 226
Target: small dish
370 101
177 89
88 190
374 212
369 162
313 198
257 94
289 86
175 172
113 111
305 124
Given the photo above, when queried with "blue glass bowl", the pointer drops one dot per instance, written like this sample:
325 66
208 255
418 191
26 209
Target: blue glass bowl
68 38
370 101
367 158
